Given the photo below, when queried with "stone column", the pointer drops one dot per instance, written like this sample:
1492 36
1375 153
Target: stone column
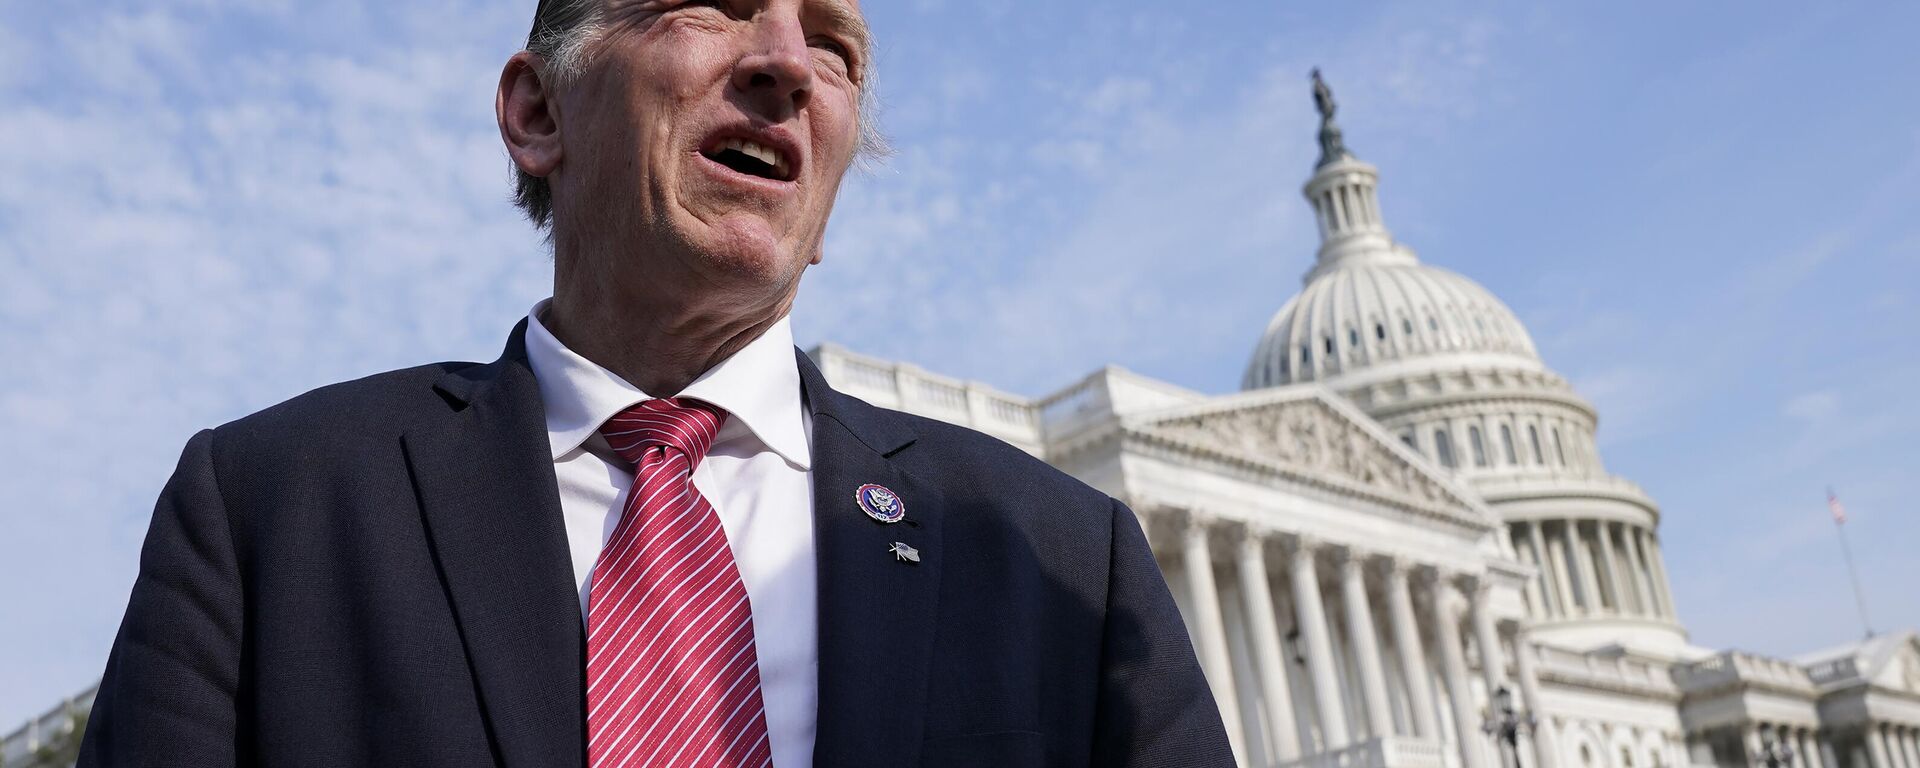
1413 660
1366 644
1637 567
1751 741
1877 746
1545 754
1492 661
1904 735
1272 665
1312 616
1589 576
1609 558
1828 758
1453 662
1664 587
1549 593
1563 570
1577 565
1197 561
1803 752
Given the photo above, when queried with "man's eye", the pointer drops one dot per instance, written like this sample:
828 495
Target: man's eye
833 47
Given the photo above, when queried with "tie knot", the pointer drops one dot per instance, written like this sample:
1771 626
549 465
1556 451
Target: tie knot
683 424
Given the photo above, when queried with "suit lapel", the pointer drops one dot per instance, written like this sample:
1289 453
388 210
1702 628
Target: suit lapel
492 510
876 612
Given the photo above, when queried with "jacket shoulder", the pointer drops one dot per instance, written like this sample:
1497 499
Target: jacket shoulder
383 403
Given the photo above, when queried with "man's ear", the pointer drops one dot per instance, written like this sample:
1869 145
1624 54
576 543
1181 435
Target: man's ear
529 118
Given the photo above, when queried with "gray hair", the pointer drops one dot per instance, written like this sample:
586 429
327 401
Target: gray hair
564 35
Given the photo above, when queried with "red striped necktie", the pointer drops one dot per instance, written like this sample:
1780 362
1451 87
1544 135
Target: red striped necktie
672 677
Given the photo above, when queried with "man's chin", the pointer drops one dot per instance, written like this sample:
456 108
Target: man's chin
745 246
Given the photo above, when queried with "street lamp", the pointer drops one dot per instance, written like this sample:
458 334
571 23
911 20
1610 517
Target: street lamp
1774 753
1505 724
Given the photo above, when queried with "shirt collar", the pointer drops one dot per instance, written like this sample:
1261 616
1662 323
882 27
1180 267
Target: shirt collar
759 386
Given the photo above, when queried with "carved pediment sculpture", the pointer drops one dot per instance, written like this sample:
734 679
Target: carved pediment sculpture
1308 436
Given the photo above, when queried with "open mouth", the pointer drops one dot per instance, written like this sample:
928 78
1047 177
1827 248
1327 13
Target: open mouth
751 158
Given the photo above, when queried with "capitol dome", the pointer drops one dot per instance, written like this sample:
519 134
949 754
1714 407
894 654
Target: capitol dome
1370 305
1359 316
1440 363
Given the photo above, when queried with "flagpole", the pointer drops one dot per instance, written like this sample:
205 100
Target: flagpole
1846 552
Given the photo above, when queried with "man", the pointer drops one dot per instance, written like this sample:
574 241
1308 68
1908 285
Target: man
537 562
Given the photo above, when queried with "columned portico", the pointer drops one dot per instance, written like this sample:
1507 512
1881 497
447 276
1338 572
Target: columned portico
1640 572
1312 617
1211 642
1877 747
1413 660
1453 662
1274 688
1487 636
1545 752
1366 646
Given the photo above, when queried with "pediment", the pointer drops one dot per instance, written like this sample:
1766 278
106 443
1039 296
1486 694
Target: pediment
1309 434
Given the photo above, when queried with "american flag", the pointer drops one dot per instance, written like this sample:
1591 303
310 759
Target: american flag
1833 505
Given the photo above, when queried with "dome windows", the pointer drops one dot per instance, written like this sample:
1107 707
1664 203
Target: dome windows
1557 449
1443 449
1506 445
1380 331
1479 446
1353 337
1533 438
1406 326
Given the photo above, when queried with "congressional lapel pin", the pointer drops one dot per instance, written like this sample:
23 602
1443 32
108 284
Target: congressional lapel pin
904 553
880 504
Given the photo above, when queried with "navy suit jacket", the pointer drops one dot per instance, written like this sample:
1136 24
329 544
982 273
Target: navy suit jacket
375 573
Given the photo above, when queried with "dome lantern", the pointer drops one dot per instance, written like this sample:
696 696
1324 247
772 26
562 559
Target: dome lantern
1346 203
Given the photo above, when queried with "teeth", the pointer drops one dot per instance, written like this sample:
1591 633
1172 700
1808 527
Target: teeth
760 152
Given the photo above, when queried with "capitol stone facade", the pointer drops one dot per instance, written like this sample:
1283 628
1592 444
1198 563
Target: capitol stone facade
1403 512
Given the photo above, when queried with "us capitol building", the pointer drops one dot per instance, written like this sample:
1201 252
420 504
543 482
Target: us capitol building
1401 522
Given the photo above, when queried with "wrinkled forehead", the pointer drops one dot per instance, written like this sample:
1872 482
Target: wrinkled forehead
559 14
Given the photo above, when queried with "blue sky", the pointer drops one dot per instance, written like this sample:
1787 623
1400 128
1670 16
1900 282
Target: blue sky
1703 211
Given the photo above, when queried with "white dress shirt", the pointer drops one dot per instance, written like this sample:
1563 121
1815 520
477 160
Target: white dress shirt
758 476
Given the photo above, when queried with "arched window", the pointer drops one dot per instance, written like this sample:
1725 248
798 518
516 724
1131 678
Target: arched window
1506 444
1329 341
1380 331
1561 452
1353 337
1533 438
1406 326
1306 356
1479 446
1443 448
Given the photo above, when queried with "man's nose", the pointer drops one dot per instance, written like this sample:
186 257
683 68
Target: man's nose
777 70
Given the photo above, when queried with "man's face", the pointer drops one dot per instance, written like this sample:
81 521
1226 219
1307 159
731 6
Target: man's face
714 132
